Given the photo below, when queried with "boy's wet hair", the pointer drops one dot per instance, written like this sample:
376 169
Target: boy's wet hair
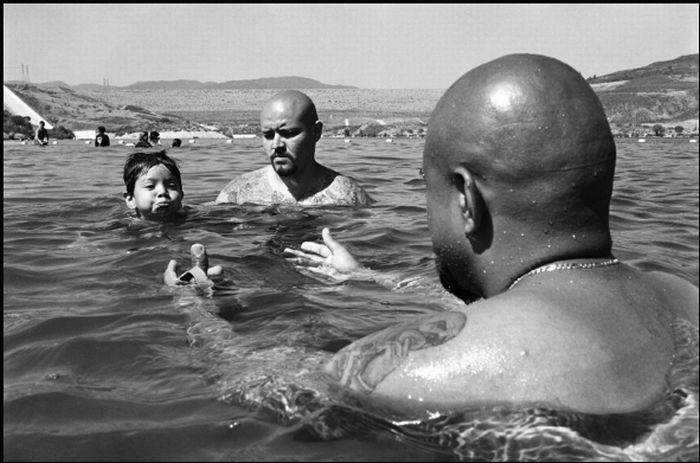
137 164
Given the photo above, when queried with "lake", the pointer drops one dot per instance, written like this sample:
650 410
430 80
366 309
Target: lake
103 362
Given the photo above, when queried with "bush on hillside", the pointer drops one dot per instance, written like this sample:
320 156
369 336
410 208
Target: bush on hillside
16 125
61 133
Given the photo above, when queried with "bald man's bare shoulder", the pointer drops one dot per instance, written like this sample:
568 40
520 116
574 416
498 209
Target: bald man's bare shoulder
606 356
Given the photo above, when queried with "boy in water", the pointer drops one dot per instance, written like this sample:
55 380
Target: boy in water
154 187
154 190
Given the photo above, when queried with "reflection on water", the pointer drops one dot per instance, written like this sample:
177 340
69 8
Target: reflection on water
104 362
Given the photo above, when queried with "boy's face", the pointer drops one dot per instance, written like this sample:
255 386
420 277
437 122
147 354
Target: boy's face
157 195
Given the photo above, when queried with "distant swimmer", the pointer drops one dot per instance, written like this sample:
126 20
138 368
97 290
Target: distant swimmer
143 141
176 143
290 130
101 139
41 137
519 164
154 137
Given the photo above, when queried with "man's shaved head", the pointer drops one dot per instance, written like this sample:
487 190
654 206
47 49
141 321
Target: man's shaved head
525 121
531 139
292 102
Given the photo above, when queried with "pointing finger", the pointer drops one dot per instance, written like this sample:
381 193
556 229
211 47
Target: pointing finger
329 240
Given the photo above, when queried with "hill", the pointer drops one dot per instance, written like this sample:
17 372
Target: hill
61 105
685 66
288 82
665 92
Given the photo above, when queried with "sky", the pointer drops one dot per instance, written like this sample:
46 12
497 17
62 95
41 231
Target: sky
372 46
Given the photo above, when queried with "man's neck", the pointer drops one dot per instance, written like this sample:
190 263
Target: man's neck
309 182
500 269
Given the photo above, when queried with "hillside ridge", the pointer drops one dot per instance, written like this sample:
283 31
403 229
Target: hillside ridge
664 92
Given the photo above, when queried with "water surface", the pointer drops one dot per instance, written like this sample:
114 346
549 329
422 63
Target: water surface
102 362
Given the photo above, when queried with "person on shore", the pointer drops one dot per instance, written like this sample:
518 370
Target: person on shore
41 136
290 131
143 141
519 164
102 139
154 187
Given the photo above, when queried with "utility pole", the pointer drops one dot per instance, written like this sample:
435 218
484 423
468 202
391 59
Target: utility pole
25 73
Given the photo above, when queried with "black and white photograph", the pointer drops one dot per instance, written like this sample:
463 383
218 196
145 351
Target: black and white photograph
350 232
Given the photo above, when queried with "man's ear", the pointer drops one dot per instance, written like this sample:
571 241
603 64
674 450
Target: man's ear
470 201
129 200
318 130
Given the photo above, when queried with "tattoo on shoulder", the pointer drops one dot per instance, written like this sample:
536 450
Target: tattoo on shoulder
364 364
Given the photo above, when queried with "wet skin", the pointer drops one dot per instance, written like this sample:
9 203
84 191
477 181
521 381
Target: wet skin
157 195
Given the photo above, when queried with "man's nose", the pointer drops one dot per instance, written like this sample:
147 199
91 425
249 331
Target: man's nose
277 141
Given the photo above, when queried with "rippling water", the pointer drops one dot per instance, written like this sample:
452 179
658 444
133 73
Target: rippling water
102 362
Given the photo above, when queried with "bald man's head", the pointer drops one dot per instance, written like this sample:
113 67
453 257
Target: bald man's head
525 122
290 130
292 103
518 162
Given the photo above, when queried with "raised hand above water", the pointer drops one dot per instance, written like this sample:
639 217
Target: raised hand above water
198 274
330 258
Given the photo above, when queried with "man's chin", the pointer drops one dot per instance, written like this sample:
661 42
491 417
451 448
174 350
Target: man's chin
452 285
284 170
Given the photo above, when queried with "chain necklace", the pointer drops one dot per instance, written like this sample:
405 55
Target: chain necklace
573 266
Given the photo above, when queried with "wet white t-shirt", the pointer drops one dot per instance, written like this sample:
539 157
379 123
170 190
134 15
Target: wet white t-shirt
263 186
